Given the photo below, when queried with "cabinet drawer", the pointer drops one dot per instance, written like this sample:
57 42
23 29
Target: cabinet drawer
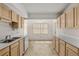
4 51
72 48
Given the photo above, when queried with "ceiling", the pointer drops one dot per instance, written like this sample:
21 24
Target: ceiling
44 10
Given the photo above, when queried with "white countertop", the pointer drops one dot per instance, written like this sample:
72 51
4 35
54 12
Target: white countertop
73 40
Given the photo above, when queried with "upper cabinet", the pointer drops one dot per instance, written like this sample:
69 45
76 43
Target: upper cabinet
70 18
5 12
63 19
77 17
59 22
10 16
22 24
14 17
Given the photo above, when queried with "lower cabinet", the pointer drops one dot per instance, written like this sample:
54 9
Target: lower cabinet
4 52
71 50
65 49
14 49
62 48
21 42
53 43
57 45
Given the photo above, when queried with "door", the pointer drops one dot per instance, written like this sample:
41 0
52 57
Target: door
40 29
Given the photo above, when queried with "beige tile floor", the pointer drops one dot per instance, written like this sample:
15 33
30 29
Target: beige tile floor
40 48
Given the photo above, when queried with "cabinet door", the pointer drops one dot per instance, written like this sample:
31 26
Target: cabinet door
15 49
21 47
70 18
77 17
14 17
6 13
62 51
70 52
57 45
63 21
59 22
54 41
22 22
4 52
0 10
19 21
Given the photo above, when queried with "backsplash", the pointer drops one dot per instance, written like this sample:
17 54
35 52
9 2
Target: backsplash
5 29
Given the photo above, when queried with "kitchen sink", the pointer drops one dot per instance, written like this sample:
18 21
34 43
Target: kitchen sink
14 38
9 40
6 41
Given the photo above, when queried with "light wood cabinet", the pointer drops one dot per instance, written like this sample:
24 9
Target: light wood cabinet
62 48
19 21
71 50
14 49
63 24
70 18
53 43
76 17
22 22
5 12
4 52
14 17
0 11
59 22
57 46
21 47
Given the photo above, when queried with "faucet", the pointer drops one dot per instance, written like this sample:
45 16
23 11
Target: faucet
8 37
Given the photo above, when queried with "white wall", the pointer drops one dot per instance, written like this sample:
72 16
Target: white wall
43 37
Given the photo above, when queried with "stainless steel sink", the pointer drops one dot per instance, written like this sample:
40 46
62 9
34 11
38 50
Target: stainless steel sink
14 38
9 40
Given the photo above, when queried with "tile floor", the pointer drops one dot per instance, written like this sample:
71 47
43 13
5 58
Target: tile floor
40 48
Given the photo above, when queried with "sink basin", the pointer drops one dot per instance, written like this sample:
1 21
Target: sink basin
6 41
9 40
15 38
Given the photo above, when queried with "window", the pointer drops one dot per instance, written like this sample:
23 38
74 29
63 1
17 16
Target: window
40 28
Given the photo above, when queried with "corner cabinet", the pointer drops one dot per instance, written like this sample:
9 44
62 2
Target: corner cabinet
70 16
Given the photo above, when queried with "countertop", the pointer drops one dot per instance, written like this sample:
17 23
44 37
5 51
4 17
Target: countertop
4 45
73 40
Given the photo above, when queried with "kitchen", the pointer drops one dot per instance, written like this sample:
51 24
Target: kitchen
38 29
